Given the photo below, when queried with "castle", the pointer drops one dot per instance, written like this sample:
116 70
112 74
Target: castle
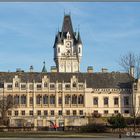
65 96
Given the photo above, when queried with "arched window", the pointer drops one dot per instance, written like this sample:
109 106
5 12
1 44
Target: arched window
52 99
74 84
79 50
45 85
9 100
74 99
45 99
16 84
23 99
16 99
80 99
38 99
67 99
58 50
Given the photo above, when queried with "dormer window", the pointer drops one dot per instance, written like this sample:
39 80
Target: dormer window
68 35
16 84
74 84
45 85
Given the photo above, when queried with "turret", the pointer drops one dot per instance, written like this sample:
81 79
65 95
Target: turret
67 48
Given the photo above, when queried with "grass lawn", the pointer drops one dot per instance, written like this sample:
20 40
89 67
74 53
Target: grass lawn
54 135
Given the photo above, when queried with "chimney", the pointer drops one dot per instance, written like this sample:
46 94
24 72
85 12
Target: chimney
89 69
31 68
104 70
132 73
53 69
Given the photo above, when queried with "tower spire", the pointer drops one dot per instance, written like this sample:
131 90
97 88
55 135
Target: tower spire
79 38
67 25
44 70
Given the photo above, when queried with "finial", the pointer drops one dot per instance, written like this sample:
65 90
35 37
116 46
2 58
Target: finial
44 62
78 27
44 68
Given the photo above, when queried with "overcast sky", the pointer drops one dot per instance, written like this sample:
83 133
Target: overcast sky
27 32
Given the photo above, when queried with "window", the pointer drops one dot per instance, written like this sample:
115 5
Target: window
81 112
39 112
106 101
38 99
67 112
79 50
105 111
16 100
81 87
135 86
45 99
95 101
23 86
52 99
81 99
60 100
16 84
45 85
31 86
74 85
9 87
10 100
116 111
58 50
60 86
23 99
116 101
126 111
52 112
67 99
95 112
74 112
31 113
16 113
126 100
74 99
60 112
23 112
31 100
67 86
45 112
39 87
9 113
52 87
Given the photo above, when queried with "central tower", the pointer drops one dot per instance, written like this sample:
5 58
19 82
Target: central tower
67 48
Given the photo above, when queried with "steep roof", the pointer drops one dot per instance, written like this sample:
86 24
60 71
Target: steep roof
44 70
67 25
93 80
79 41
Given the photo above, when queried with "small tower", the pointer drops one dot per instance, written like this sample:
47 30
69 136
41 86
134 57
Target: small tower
44 70
67 48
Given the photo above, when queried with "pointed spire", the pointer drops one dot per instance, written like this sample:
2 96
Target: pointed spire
44 70
59 38
67 25
79 41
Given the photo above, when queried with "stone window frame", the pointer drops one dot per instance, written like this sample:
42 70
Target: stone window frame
97 101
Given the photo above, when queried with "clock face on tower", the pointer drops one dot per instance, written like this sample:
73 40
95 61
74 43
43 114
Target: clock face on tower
68 44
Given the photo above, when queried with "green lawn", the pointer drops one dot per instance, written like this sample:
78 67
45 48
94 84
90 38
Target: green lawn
54 135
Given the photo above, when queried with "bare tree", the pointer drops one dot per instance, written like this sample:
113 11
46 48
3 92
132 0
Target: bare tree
128 60
5 104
